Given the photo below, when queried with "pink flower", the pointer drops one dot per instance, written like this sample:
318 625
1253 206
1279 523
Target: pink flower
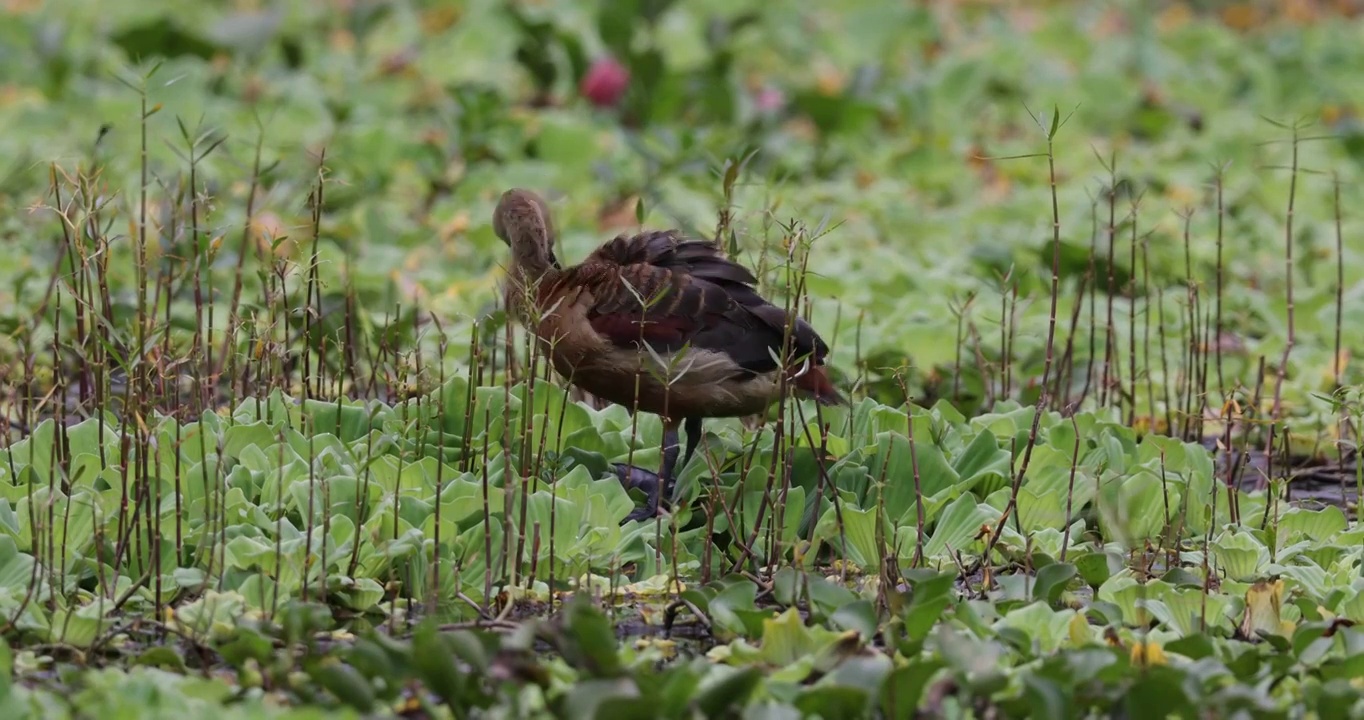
605 82
769 100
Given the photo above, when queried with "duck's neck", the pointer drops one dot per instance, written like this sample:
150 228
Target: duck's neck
526 283
533 260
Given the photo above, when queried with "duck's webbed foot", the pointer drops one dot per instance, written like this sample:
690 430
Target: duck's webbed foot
654 486
636 477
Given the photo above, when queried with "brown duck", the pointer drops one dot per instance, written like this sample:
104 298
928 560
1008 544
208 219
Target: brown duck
656 322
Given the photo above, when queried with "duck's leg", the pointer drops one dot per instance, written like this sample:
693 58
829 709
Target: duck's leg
671 446
692 426
660 486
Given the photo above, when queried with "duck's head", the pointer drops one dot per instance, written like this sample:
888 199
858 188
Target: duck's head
522 220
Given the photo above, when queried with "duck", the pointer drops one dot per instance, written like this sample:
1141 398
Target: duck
657 322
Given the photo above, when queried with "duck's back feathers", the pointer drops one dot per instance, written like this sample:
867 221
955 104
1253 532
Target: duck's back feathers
670 292
669 249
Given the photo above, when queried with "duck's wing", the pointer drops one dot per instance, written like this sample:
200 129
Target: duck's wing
674 251
669 292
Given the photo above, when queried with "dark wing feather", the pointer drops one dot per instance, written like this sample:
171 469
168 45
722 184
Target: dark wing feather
656 305
694 294
668 249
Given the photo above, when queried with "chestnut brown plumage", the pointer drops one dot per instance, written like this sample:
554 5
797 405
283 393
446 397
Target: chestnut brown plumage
656 322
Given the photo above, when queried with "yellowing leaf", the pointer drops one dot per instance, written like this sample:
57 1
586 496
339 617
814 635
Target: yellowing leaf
1264 601
1148 653
1080 631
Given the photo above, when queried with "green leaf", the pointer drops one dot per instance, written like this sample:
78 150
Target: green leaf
1194 647
6 668
982 459
606 699
1051 580
905 686
959 523
894 461
588 640
1132 510
256 435
435 665
931 594
1096 567
833 701
827 598
729 692
1318 525
247 645
161 657
859 615
1046 698
857 542
341 680
1157 693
